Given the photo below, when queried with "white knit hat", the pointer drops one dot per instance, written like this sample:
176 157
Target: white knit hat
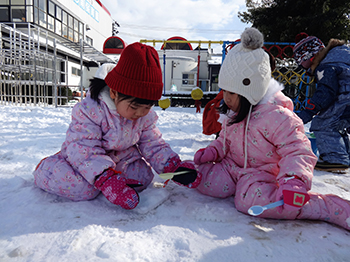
103 70
246 69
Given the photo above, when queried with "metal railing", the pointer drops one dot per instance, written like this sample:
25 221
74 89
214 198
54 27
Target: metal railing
33 70
29 72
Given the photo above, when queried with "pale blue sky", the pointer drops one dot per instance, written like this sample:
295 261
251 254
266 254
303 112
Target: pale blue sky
193 20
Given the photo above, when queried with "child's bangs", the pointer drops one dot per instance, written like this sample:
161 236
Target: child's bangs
141 101
136 100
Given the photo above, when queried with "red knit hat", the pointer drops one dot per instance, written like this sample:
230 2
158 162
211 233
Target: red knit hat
137 73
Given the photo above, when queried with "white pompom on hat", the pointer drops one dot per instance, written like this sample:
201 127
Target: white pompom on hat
246 69
103 70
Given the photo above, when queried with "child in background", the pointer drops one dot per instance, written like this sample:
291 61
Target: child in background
262 151
331 100
113 143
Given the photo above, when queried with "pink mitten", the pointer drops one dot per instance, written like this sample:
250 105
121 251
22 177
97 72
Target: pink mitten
172 164
205 155
294 194
117 189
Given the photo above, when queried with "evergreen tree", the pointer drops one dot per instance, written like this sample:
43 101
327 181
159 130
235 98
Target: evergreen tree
282 20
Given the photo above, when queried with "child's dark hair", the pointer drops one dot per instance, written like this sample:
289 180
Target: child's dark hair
241 114
97 84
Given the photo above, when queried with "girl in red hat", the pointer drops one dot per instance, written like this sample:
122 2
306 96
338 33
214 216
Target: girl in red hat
113 143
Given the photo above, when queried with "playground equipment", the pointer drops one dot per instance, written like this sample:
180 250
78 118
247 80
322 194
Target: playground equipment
298 86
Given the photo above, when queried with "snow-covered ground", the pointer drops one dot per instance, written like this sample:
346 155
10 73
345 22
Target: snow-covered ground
187 226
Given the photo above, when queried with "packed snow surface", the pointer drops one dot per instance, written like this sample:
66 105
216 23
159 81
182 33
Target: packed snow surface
170 224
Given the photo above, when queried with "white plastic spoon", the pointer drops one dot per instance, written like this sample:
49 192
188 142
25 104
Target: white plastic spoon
257 210
171 175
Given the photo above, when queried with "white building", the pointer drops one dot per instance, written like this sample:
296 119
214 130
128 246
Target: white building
54 47
185 68
51 44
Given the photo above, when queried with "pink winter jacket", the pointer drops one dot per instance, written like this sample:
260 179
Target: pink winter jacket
98 138
276 141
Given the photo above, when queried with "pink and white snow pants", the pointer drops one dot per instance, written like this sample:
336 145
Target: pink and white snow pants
55 175
260 188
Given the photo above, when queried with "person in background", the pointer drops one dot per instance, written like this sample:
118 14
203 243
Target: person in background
211 115
112 142
262 154
329 107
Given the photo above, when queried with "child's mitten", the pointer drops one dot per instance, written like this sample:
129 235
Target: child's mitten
117 189
205 155
190 179
294 194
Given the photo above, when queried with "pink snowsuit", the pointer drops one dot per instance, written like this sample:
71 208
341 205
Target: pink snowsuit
99 138
277 148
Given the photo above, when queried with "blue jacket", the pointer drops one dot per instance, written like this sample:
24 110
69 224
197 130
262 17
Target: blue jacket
333 83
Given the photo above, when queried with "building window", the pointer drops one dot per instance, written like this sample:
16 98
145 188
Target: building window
70 34
76 25
76 36
188 79
36 16
51 23
75 71
58 13
45 13
89 40
58 28
42 18
70 21
64 31
64 17
76 30
18 13
4 14
81 28
51 9
17 2
42 5
51 17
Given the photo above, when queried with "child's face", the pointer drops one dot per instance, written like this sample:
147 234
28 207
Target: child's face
129 110
232 100
315 60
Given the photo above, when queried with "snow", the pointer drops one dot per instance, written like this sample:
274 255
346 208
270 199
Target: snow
186 226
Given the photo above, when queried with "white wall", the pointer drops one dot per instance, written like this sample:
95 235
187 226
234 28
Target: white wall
186 61
175 66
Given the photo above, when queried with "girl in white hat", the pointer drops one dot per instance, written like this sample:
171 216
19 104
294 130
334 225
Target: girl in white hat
262 154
